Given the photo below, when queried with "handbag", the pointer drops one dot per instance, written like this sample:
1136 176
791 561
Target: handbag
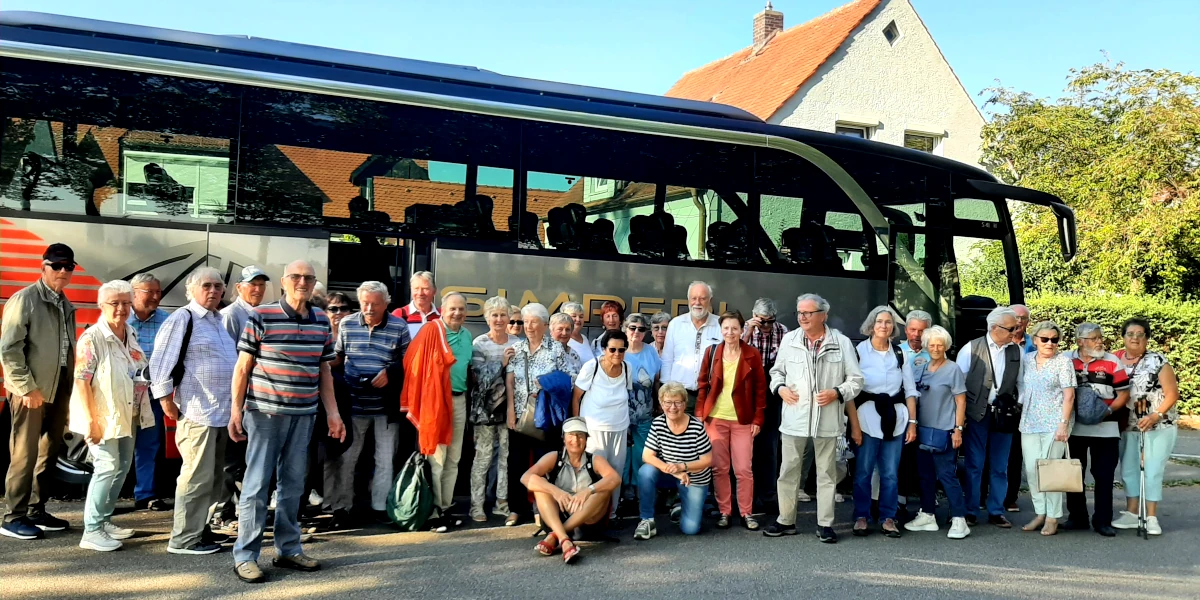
932 439
1090 409
1059 474
527 424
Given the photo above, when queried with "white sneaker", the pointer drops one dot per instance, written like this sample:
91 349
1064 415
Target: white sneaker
315 499
99 541
645 530
803 497
117 533
1127 520
1152 526
958 529
923 522
838 498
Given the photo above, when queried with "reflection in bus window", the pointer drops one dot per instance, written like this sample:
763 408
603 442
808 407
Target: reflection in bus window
112 143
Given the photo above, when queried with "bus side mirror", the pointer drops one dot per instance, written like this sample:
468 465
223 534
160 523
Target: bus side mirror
1066 230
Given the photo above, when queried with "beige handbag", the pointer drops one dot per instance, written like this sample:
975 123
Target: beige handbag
1059 474
526 425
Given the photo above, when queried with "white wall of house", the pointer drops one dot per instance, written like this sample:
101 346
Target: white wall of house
890 88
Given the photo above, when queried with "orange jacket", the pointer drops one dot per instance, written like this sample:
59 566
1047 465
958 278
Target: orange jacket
427 394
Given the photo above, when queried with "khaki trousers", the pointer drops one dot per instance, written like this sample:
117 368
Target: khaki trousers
201 478
791 468
444 462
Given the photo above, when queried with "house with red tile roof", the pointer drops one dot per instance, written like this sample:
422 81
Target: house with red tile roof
869 69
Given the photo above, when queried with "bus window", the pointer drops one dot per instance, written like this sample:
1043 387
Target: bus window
613 210
310 159
973 209
114 143
705 226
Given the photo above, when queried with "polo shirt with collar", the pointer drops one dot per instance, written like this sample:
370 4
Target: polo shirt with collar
415 318
288 349
684 348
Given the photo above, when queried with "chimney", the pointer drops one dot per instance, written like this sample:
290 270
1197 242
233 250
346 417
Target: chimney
766 24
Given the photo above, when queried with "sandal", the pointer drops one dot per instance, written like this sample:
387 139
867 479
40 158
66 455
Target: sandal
512 519
548 546
1051 527
1035 524
569 553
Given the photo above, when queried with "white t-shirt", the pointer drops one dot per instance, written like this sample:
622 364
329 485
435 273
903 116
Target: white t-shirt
605 402
583 349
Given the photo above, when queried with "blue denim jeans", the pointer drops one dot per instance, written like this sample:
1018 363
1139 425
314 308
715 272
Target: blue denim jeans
110 465
145 456
650 479
873 453
633 464
980 445
274 444
933 467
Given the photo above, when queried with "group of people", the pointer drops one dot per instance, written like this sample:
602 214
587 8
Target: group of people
272 404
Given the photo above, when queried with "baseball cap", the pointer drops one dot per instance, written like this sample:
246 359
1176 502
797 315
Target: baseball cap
251 273
59 253
575 425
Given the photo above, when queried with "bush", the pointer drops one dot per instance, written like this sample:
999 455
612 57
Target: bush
1173 327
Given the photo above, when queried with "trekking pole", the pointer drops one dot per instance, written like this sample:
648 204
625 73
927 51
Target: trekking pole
1141 531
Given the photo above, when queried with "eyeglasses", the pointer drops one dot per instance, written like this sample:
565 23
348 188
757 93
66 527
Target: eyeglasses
659 327
808 315
516 322
1091 339
148 292
673 402
118 304
337 308
298 277
616 350
61 266
1048 340
1135 335
637 328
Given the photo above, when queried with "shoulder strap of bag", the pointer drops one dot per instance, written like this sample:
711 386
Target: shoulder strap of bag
178 370
899 356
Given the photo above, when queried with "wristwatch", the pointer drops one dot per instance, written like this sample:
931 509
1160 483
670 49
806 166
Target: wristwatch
592 488
958 427
912 421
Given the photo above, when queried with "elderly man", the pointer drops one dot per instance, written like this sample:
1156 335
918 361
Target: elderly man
435 387
37 355
572 489
251 287
1106 375
765 332
816 374
371 345
147 319
992 365
915 324
1024 342
190 372
421 310
1015 466
688 336
282 372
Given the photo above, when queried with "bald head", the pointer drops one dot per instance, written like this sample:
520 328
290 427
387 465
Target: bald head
299 280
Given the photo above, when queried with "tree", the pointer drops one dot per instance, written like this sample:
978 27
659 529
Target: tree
1122 149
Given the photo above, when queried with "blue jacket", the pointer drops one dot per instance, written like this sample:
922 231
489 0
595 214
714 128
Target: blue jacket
554 401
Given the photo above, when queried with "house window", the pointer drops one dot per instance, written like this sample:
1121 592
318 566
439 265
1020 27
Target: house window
891 33
860 132
922 142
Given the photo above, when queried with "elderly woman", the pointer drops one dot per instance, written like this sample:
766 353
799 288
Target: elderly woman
516 325
941 414
612 315
490 354
731 400
886 410
644 366
1154 394
534 356
561 326
602 393
108 403
340 306
658 329
578 342
1048 404
677 453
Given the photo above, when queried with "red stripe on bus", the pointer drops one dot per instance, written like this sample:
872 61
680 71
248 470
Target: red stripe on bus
74 295
32 277
26 249
14 262
87 315
5 222
12 233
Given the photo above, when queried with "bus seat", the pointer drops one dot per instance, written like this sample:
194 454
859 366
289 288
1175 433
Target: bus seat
528 228
714 245
640 243
810 244
603 237
679 243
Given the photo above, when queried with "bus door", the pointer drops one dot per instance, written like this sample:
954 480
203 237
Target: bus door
357 255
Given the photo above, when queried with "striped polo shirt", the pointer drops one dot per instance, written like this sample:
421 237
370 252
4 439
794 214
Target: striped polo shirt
288 350
369 351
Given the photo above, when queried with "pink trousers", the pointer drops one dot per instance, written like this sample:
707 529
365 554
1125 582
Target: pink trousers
733 443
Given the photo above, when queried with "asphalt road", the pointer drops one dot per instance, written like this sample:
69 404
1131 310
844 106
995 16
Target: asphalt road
498 562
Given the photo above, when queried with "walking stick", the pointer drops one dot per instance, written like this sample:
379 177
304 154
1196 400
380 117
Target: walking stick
1141 410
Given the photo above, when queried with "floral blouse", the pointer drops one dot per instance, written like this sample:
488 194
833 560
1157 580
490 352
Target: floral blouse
526 368
1143 379
116 372
487 372
1042 392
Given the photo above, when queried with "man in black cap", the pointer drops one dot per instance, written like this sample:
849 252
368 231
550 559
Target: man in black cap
37 353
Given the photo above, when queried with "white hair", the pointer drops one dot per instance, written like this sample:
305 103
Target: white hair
563 318
1084 329
765 307
497 303
535 310
661 316
822 304
199 276
919 315
573 307
1045 326
141 278
936 332
426 275
868 326
998 314
118 287
374 287
698 282
454 295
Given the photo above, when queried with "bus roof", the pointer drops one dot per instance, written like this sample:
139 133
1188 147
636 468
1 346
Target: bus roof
259 54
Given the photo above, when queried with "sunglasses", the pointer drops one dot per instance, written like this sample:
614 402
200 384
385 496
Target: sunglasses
615 350
767 322
637 329
1048 340
516 322
334 308
61 266
1008 329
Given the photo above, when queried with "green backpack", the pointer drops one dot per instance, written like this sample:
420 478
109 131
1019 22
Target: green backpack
411 500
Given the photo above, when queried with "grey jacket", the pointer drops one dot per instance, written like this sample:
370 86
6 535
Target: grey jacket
835 367
29 342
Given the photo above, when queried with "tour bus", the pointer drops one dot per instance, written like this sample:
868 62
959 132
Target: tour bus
153 150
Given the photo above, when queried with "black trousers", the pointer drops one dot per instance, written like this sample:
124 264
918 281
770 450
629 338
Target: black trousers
1104 455
1015 469
766 454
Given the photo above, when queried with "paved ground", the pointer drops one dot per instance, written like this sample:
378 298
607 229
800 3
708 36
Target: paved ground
498 562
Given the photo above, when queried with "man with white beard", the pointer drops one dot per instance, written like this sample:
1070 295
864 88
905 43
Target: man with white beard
688 336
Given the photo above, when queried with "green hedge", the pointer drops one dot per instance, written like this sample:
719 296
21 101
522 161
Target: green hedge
1174 328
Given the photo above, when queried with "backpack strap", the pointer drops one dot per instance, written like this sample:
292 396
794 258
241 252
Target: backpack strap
178 370
899 356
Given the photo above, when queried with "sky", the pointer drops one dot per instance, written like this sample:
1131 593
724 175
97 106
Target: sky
646 45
